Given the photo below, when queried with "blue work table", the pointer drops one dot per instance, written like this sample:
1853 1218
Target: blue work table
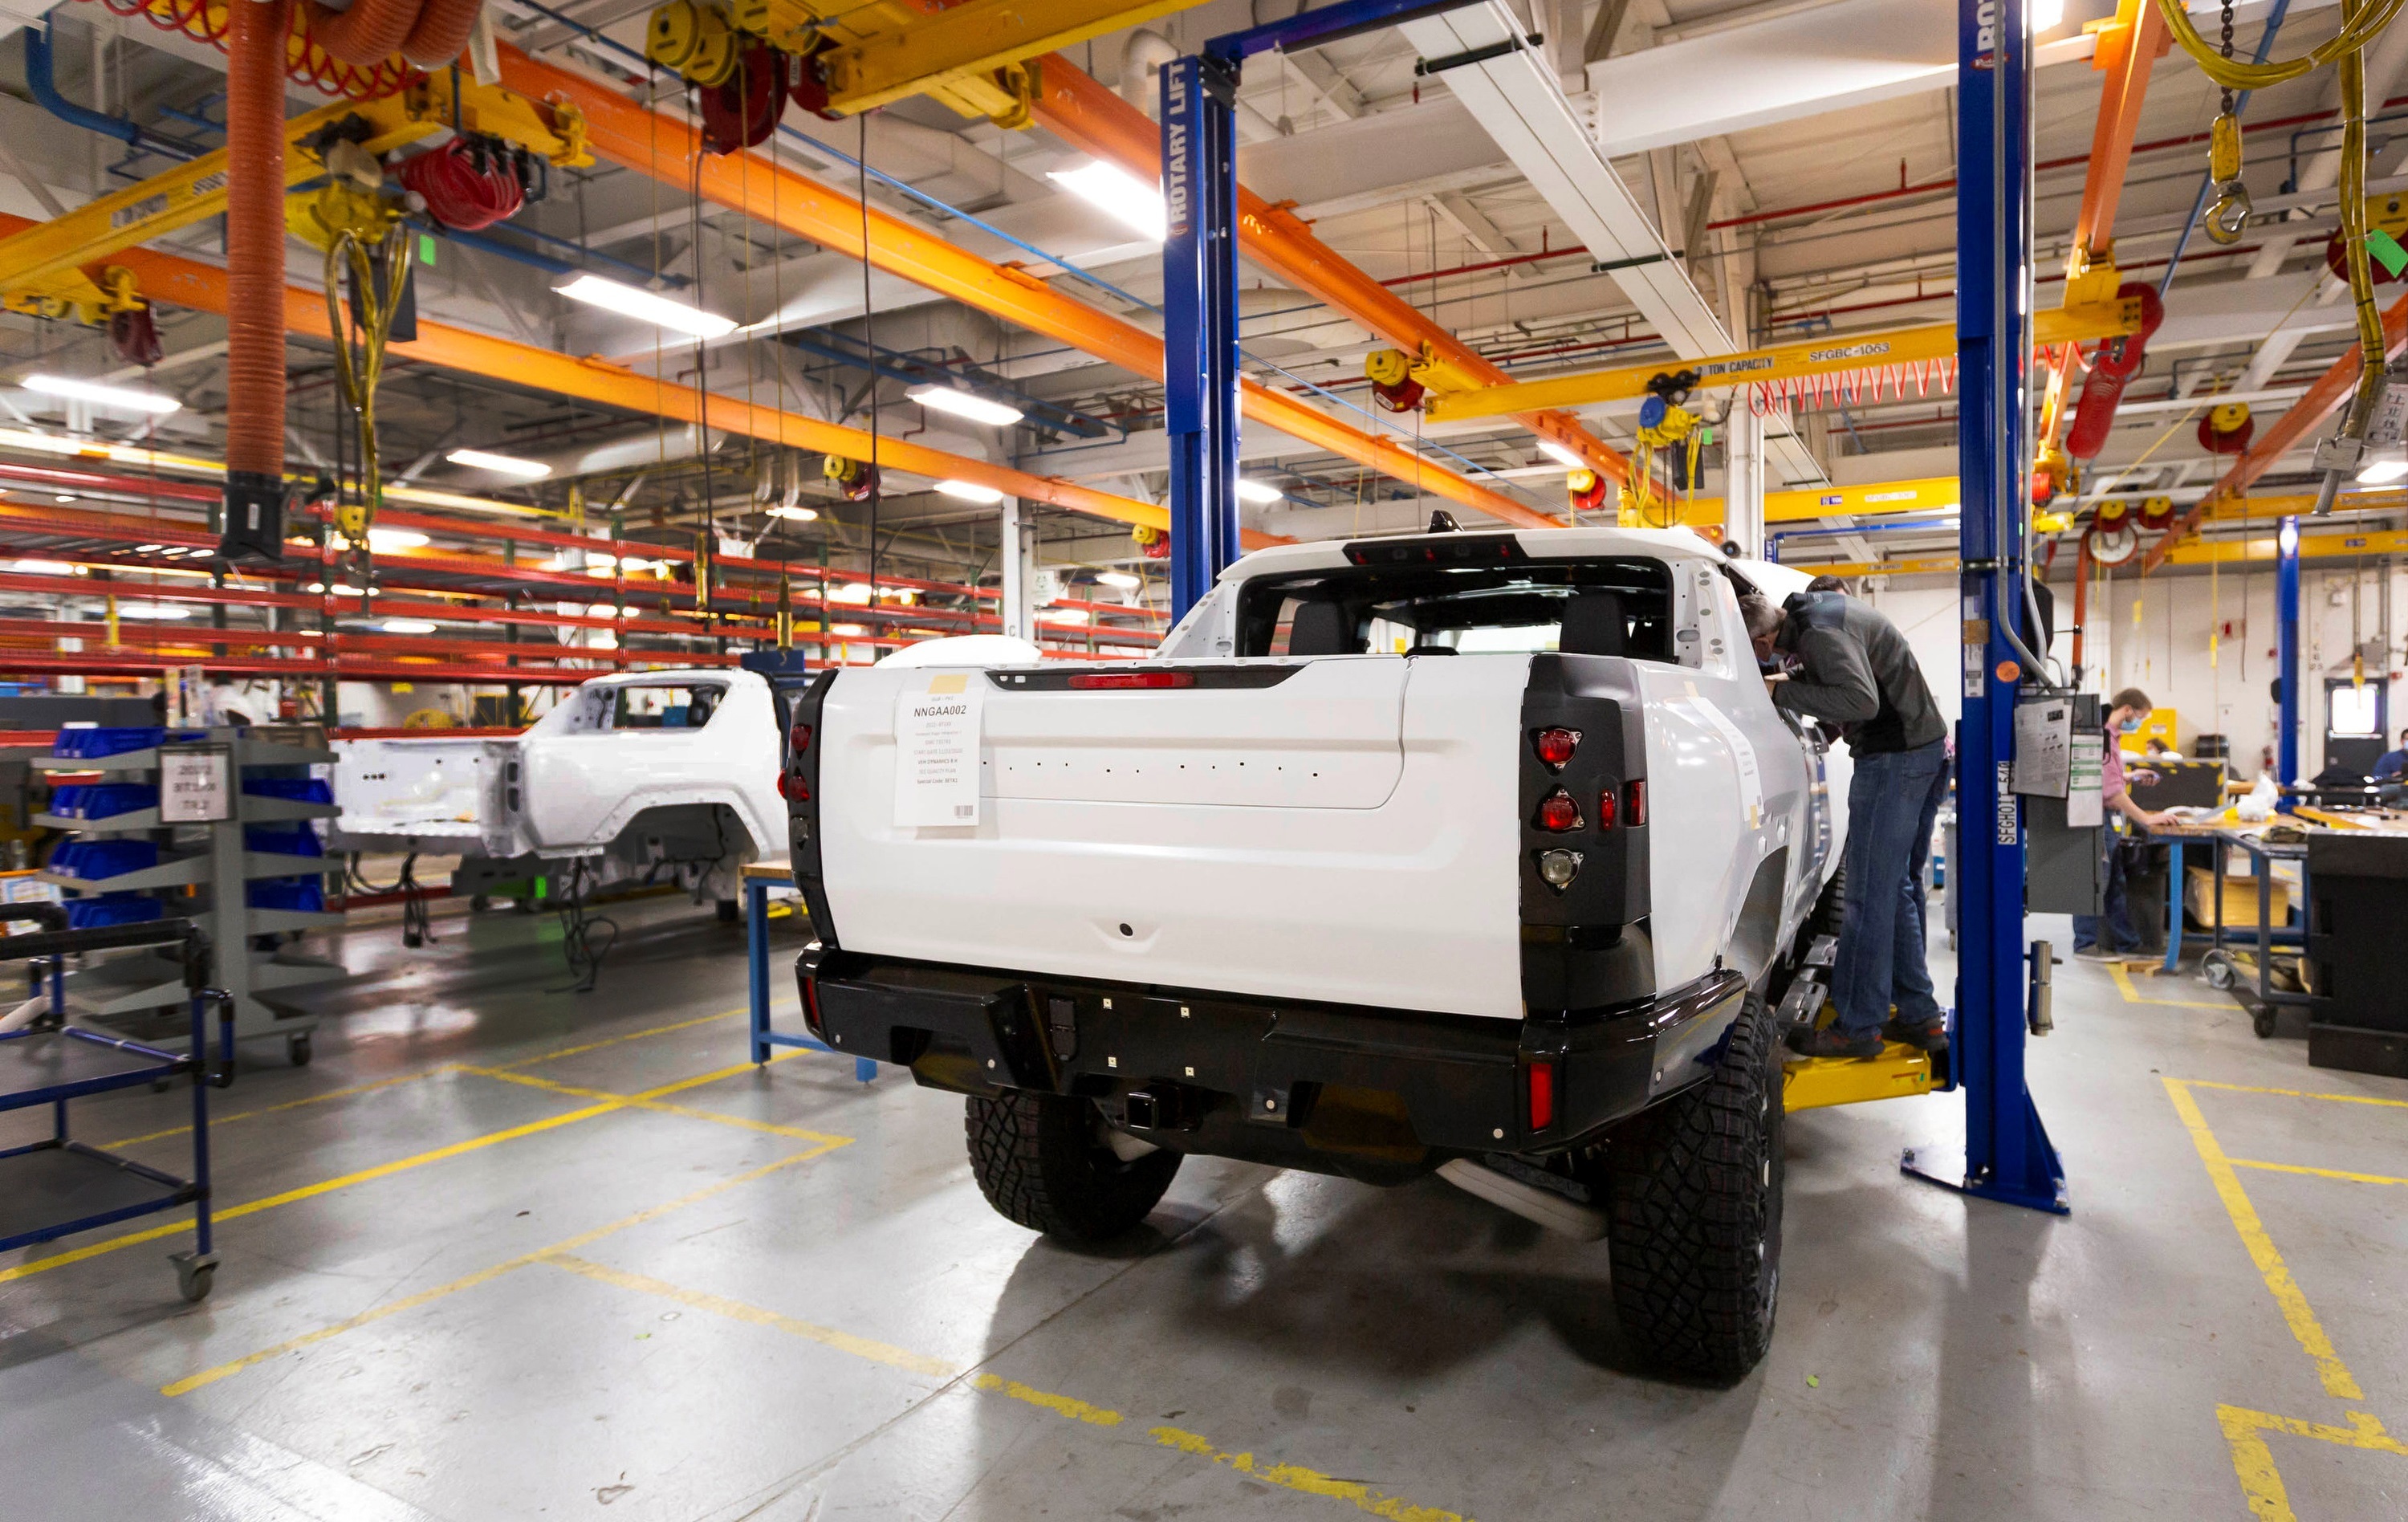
758 878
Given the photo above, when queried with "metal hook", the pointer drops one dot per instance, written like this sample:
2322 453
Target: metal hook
2227 215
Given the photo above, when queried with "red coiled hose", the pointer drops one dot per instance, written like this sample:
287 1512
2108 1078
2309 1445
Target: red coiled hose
2119 360
309 63
460 194
255 56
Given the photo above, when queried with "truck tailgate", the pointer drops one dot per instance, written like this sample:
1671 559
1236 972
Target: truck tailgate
1347 834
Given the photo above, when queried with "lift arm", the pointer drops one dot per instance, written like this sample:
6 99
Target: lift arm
1837 355
41 267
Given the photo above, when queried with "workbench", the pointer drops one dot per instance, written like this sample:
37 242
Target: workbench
759 877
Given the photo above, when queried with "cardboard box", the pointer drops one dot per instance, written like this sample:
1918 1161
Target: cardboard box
2240 898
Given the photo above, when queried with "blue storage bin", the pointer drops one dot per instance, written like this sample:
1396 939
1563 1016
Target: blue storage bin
307 895
66 801
93 860
104 800
92 744
290 840
298 789
113 908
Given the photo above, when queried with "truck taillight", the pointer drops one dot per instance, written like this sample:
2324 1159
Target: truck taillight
798 739
1558 813
1555 746
1130 680
1605 808
791 787
1636 813
812 1008
1542 1095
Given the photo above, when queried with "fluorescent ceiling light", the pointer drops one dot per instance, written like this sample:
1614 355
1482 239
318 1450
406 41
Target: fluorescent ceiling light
2383 472
66 497
1257 491
1066 615
850 628
1561 455
961 403
500 465
408 625
395 538
1119 579
800 515
44 567
148 548
100 395
628 301
970 491
152 609
1119 195
2047 14
852 592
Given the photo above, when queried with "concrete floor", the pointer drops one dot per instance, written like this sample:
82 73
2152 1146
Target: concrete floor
506 1252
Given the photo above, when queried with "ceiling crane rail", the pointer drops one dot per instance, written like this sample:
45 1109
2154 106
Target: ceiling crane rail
1835 355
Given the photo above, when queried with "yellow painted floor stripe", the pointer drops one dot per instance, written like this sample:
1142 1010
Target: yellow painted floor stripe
2132 996
2295 1093
583 1239
842 1342
2317 1173
1307 1481
579 1051
1060 1405
2338 1380
2253 1459
743 1122
403 1165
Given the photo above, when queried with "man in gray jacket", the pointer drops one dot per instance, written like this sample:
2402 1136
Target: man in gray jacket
1850 666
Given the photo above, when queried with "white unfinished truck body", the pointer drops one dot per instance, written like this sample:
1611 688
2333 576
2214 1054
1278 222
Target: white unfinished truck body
651 775
1471 851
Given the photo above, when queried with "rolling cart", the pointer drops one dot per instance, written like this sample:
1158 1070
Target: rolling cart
59 1185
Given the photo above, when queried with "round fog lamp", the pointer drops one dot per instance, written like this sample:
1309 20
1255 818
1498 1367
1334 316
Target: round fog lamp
1559 867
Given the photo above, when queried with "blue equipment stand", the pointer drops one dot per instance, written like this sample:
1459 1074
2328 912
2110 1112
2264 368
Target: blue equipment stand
756 963
2287 656
2006 1155
59 1185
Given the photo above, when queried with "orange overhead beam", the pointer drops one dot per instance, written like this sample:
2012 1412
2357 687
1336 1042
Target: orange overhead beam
670 150
2322 399
183 282
1084 114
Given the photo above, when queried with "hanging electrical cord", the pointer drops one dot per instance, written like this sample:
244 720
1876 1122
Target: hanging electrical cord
2362 20
585 938
359 364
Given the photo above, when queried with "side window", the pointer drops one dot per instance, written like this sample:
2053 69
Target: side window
664 707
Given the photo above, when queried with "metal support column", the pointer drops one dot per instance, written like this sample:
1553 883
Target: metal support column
2287 656
1012 615
1199 304
2006 1155
1744 480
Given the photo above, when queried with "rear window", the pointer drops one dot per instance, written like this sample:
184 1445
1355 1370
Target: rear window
1583 607
645 706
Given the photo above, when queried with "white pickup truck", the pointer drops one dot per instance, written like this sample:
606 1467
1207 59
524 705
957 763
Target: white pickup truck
1475 853
653 775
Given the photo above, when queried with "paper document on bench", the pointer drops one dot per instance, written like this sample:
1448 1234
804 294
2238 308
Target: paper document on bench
937 754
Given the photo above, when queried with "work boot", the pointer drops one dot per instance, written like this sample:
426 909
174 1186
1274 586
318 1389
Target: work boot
1931 1037
1831 1041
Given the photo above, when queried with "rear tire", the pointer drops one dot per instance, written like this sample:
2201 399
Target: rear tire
1041 1161
1696 1227
1830 907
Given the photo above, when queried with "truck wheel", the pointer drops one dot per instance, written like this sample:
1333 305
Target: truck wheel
1041 1161
1830 907
1696 1225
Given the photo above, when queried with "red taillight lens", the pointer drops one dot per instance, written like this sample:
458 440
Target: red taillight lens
1126 681
791 787
1605 810
1559 812
798 739
1542 1095
812 1008
1637 791
1555 746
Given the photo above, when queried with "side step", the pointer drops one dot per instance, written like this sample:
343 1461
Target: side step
1570 1217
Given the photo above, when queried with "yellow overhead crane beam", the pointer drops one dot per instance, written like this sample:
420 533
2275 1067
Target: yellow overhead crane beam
1840 353
971 41
42 268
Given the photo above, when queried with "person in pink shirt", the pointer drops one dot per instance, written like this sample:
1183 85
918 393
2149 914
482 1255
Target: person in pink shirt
2109 936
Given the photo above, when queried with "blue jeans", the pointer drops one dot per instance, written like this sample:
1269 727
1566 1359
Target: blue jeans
1892 801
2116 933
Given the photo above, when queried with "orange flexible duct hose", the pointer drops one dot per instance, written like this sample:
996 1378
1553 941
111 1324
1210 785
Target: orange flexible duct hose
255 238
366 34
442 32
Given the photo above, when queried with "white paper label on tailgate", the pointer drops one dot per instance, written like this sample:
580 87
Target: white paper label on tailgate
937 754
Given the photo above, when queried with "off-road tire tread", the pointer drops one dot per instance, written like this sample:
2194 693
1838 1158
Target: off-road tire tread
1830 907
1038 1165
1691 1201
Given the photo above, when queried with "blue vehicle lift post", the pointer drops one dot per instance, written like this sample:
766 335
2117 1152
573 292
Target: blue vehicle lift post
2287 656
1199 269
2007 1155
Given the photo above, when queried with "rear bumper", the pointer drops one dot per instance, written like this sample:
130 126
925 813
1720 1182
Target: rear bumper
1339 1088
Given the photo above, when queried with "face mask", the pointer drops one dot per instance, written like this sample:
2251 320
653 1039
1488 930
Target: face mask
2130 727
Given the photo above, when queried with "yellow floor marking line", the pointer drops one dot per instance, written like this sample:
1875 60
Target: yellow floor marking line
2318 1172
1307 1481
2253 1459
1288 1477
2295 1093
864 1348
2338 1380
403 1165
744 1122
215 1120
2132 994
671 1028
470 1280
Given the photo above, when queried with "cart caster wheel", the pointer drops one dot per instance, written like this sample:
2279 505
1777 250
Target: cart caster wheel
194 1274
479 903
2217 970
2262 1022
296 1049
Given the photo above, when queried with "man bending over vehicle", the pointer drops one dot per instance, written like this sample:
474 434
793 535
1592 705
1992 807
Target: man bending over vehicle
1849 665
